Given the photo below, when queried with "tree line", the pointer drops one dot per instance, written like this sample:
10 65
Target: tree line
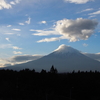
31 85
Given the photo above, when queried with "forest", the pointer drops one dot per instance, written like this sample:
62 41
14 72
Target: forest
31 85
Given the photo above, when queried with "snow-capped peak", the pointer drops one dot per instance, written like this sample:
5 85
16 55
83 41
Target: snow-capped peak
65 49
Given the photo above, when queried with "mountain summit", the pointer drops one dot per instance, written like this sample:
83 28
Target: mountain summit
65 49
64 58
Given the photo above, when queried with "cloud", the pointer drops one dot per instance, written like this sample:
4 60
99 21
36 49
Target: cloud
7 39
1 65
92 16
9 33
21 23
18 59
24 58
85 45
4 65
17 1
95 13
43 22
9 25
6 30
89 9
12 2
4 46
16 48
18 34
51 39
95 56
72 30
75 30
44 32
28 21
17 52
4 4
78 1
16 29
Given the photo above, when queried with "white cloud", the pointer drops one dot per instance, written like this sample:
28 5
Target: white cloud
48 39
23 58
21 23
75 30
78 1
1 65
95 13
4 46
7 39
43 22
32 30
95 56
17 1
9 33
18 34
17 48
16 29
12 2
44 32
85 45
17 52
89 9
9 25
28 21
92 16
4 4
18 59
51 39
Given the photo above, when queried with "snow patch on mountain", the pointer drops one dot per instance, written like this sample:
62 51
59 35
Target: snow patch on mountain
64 49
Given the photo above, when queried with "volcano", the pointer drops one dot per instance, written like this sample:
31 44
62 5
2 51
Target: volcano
64 58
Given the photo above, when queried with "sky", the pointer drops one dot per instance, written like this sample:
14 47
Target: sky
30 28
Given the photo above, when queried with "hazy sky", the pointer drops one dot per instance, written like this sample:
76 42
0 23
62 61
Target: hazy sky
29 27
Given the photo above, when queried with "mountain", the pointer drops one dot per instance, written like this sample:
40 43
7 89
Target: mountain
64 58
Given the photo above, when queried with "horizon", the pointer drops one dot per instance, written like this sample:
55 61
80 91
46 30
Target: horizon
40 27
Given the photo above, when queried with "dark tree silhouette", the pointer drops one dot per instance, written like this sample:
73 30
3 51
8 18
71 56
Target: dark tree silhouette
30 85
53 70
43 71
56 71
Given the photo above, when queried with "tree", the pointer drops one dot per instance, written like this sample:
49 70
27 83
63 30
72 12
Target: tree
56 71
53 70
43 71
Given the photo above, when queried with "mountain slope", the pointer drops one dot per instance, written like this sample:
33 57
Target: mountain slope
65 59
93 56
